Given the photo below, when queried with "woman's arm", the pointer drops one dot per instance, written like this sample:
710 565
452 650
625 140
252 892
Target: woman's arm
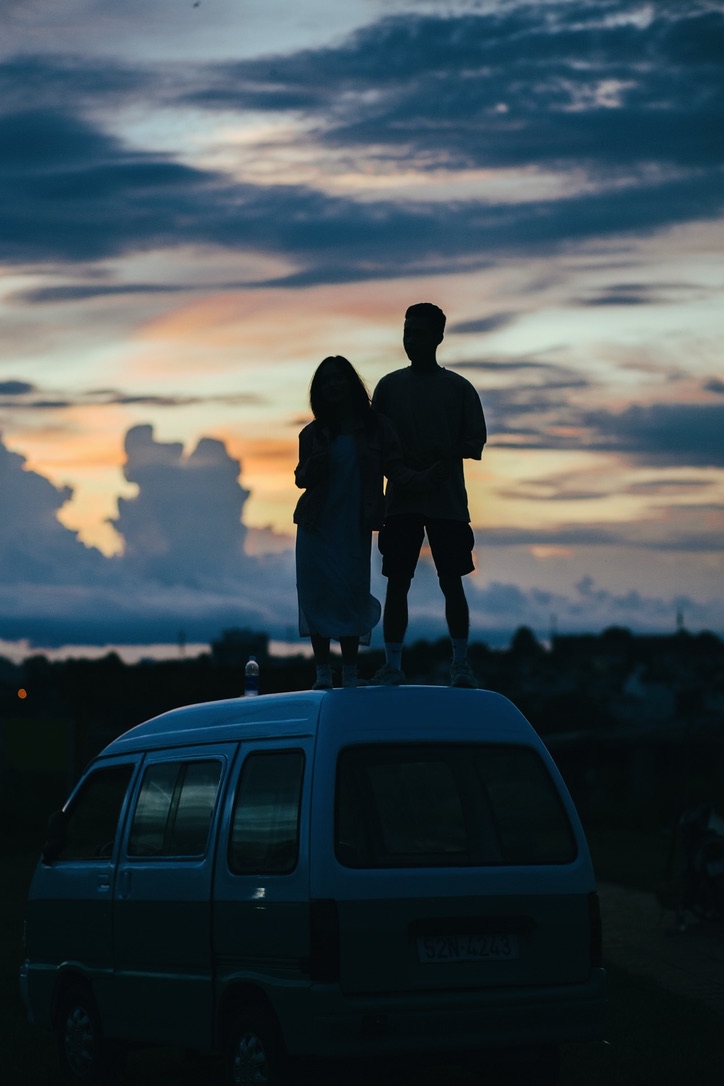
313 466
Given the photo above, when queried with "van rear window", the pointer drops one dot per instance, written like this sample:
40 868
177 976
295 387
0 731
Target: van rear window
431 805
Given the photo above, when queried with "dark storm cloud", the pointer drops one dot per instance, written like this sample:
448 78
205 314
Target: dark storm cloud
15 388
75 81
541 415
524 84
649 535
688 435
483 324
31 398
81 292
622 294
70 191
637 108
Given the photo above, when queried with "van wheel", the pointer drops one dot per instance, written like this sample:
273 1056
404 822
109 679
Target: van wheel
256 1054
82 1049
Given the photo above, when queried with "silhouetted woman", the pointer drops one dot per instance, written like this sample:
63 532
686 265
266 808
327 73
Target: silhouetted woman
343 455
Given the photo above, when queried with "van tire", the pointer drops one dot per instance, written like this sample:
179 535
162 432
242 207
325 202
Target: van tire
84 1054
255 1053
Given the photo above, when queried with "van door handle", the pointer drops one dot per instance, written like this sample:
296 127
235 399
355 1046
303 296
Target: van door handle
125 885
104 884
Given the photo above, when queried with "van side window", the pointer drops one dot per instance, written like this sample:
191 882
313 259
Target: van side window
431 805
174 809
265 825
92 820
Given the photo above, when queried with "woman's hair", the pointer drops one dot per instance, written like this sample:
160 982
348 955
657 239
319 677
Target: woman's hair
360 396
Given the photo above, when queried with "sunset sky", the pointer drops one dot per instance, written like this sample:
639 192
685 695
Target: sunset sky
202 200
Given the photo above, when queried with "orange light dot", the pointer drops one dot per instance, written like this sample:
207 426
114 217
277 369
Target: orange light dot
22 693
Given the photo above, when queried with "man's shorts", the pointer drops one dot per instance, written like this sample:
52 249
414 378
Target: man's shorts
400 541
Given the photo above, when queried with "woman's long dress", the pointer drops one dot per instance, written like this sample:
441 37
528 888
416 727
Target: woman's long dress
333 560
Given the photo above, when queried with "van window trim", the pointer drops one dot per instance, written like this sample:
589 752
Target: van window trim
543 758
166 757
274 750
134 760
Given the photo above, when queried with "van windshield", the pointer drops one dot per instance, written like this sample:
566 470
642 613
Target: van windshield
438 804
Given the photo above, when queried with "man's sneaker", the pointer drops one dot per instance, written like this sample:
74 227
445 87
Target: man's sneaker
388 676
323 683
462 675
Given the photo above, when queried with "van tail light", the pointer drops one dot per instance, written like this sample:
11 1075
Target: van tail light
323 940
595 930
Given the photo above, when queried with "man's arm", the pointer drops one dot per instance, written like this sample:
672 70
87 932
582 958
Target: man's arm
475 432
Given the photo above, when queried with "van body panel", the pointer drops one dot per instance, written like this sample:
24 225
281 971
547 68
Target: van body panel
337 1024
222 721
421 944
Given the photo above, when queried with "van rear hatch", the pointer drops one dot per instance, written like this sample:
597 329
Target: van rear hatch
457 869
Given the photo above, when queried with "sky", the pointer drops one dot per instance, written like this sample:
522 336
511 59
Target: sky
201 200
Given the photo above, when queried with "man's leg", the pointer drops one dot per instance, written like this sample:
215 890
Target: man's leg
394 622
399 542
457 612
395 618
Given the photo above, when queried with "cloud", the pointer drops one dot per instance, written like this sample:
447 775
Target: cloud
70 191
622 294
624 110
15 388
185 524
687 434
674 529
35 547
516 85
32 398
185 566
80 292
484 324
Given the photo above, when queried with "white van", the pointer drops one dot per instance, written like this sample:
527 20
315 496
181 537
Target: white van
325 874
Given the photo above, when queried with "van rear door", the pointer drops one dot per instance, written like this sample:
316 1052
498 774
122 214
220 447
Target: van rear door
457 866
261 887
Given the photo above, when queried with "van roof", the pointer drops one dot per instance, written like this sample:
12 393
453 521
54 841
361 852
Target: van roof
403 710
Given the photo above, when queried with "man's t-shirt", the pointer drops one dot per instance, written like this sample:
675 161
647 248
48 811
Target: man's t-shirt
437 416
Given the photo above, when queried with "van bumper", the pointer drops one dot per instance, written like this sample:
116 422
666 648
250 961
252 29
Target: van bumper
340 1025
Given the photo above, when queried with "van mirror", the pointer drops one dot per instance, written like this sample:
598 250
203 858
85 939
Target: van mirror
55 837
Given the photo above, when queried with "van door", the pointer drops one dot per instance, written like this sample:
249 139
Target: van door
456 869
70 903
261 925
162 906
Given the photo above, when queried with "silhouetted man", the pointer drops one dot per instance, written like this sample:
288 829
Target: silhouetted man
439 421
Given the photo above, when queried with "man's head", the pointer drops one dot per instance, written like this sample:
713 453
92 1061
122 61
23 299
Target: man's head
423 333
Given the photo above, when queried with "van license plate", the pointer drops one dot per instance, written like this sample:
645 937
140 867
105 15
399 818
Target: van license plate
467 948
